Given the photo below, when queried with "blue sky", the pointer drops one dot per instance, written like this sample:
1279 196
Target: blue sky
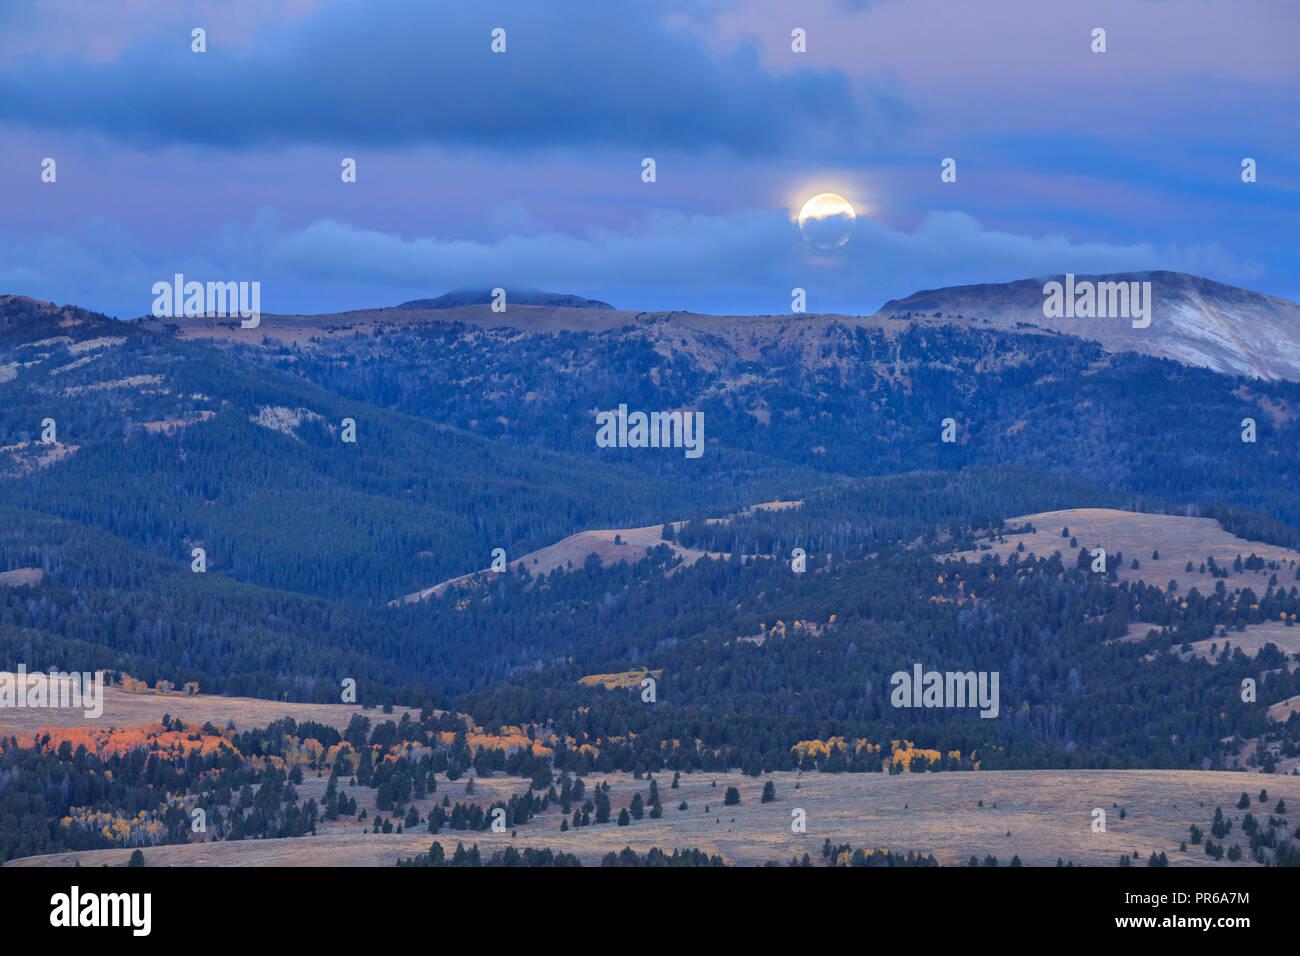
478 169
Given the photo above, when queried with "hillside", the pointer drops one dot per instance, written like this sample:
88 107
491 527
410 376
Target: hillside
609 545
810 398
1037 815
1193 320
476 431
477 437
1177 539
134 709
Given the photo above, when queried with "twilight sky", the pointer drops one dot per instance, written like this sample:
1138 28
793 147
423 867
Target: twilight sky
478 169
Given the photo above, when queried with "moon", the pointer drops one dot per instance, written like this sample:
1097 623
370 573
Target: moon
827 220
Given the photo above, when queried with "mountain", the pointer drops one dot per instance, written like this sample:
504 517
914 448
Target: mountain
126 445
463 297
476 431
791 403
1195 321
814 396
175 441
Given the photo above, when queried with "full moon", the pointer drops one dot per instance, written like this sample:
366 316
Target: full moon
827 220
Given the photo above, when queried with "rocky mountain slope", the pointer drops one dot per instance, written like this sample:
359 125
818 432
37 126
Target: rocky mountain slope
1193 320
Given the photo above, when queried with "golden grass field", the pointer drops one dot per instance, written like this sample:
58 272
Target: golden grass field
122 709
611 545
572 552
1178 539
1283 709
1251 641
1047 813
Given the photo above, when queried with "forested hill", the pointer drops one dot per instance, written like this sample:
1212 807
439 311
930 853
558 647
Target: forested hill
126 446
471 438
852 398
171 445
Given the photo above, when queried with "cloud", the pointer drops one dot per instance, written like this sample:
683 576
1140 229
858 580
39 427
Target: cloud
98 31
746 263
752 259
412 71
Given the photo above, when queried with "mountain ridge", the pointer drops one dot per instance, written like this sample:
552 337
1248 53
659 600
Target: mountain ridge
522 296
1194 321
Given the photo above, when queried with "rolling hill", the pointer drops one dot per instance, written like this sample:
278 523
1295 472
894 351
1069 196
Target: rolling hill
935 461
